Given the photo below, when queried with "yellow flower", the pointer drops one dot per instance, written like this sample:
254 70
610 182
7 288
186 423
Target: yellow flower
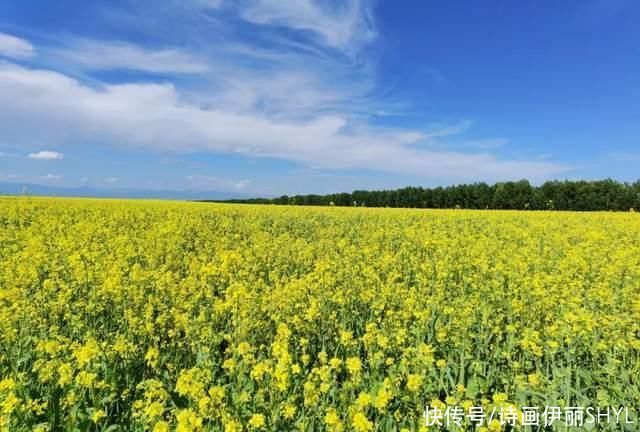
414 382
188 421
217 394
364 399
9 404
259 370
65 372
360 423
257 421
500 397
7 384
354 366
87 352
335 363
86 379
382 398
232 426
332 420
229 364
98 415
154 410
244 397
152 357
203 404
288 411
70 399
161 426
191 383
346 337
495 426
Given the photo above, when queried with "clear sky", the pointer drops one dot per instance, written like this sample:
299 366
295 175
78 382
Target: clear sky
268 97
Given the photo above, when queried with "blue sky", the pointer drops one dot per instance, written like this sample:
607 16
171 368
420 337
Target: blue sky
267 97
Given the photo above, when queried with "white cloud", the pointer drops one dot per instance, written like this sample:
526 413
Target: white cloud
11 176
50 177
102 55
441 131
624 156
217 183
14 47
487 144
209 4
346 24
111 180
158 117
435 75
238 77
46 155
290 91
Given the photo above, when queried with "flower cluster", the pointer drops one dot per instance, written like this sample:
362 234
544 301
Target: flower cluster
159 316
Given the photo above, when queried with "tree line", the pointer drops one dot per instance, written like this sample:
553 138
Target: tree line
513 195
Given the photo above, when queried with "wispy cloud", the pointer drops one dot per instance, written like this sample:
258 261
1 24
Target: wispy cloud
345 25
113 55
441 131
111 180
209 4
487 144
216 183
624 156
434 74
46 155
14 47
11 176
51 177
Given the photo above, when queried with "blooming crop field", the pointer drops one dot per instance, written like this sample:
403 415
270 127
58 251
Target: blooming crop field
132 315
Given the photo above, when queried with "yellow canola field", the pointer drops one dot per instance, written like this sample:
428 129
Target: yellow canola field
143 315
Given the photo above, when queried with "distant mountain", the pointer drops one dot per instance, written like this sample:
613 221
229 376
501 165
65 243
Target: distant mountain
85 191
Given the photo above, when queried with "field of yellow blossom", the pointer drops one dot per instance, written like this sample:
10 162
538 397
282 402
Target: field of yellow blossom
158 316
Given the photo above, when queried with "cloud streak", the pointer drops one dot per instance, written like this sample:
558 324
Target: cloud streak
14 47
94 55
51 177
344 25
46 155
205 182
